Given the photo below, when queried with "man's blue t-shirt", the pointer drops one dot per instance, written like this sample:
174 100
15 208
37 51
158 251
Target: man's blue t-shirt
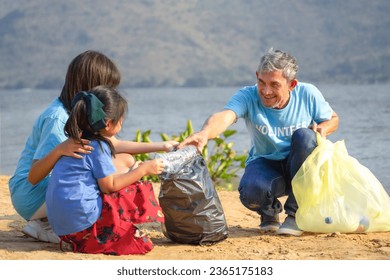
73 201
270 130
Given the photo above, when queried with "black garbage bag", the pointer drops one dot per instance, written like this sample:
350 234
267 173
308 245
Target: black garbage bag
191 206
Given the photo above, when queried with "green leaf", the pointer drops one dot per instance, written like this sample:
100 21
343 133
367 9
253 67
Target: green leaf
190 129
229 133
165 137
138 136
145 136
218 141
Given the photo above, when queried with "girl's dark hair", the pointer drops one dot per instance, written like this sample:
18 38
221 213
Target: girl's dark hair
86 71
115 107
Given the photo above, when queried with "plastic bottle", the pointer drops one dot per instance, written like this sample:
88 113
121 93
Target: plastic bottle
364 223
175 160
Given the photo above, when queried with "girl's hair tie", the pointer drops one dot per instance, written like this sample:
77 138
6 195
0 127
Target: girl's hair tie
95 113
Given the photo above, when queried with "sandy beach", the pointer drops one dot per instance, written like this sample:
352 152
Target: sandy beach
245 241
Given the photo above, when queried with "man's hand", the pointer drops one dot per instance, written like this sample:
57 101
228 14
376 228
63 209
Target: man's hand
316 128
198 139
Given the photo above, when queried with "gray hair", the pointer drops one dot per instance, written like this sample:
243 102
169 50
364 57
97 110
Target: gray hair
275 60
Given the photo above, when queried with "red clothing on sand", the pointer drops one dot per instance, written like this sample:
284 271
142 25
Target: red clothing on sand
115 233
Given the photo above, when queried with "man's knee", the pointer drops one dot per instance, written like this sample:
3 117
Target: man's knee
252 196
303 138
303 134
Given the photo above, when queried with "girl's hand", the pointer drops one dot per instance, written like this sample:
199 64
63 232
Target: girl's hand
73 149
169 146
153 167
116 182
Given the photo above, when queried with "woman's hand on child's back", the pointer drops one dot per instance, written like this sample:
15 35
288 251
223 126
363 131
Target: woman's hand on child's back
72 148
41 168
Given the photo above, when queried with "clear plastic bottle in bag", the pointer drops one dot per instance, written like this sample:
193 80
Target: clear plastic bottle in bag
175 160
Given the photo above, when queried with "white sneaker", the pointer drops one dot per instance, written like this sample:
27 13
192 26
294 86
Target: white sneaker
40 230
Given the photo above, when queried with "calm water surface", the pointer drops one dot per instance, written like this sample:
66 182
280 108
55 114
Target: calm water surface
364 112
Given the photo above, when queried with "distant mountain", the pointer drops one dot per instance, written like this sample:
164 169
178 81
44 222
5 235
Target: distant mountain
171 43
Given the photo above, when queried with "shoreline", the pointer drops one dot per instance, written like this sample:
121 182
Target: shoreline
245 241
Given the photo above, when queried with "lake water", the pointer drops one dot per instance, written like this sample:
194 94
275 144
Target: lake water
364 112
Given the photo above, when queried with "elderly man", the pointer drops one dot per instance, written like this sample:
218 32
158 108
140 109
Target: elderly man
282 116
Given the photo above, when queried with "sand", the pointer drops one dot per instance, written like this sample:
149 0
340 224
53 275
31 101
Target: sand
245 241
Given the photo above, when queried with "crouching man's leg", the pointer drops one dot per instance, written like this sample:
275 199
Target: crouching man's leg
303 143
261 185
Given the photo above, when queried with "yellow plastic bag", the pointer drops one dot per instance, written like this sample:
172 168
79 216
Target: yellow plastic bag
335 193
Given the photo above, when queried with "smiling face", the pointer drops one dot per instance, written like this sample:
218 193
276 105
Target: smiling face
274 89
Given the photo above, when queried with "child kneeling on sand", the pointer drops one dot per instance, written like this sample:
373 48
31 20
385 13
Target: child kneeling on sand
90 206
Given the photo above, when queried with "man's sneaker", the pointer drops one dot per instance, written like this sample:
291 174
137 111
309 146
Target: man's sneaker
40 230
289 227
269 223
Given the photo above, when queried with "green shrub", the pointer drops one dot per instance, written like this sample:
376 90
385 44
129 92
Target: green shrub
222 160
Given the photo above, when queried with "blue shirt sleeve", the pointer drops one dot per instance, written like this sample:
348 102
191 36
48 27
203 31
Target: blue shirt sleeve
239 103
321 108
101 158
52 134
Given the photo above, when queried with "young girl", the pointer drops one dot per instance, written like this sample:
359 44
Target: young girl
89 205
